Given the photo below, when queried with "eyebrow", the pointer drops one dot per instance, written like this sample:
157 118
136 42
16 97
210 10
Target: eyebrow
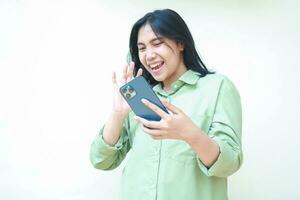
158 38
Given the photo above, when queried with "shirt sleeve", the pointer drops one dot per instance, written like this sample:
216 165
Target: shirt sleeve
226 130
107 157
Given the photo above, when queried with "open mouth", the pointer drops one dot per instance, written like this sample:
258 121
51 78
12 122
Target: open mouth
157 66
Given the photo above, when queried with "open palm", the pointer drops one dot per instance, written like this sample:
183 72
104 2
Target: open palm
120 105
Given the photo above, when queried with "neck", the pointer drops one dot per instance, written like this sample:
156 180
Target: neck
174 77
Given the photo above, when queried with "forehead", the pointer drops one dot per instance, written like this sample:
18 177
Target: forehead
146 34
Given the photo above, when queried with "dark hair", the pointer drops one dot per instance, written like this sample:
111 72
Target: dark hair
169 24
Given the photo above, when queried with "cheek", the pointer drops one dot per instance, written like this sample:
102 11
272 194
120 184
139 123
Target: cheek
162 50
142 58
166 52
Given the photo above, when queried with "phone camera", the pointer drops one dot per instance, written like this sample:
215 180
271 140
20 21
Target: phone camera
130 90
124 90
128 96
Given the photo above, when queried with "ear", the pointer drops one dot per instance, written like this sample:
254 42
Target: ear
180 46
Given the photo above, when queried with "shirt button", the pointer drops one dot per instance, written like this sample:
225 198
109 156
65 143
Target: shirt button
153 186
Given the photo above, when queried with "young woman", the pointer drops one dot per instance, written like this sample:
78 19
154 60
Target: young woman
191 151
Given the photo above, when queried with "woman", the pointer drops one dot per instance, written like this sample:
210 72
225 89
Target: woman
192 150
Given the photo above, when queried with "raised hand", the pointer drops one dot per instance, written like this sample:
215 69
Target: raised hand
120 105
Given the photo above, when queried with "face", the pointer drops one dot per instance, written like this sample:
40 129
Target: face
161 56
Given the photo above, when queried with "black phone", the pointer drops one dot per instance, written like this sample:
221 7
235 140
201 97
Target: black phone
136 90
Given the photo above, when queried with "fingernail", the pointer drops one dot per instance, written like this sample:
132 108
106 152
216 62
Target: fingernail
144 100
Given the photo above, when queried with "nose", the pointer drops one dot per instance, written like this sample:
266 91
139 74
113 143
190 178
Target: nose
150 55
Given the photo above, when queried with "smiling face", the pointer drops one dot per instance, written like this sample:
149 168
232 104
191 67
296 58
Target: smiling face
161 56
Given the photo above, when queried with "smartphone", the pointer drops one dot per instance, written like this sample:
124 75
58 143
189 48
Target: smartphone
136 90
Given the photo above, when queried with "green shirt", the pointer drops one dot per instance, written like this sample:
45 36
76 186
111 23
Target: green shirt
170 169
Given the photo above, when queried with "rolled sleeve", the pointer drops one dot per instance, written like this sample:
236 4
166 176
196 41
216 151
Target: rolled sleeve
106 157
226 130
230 156
105 148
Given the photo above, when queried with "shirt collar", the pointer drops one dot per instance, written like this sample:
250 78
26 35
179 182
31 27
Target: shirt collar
189 77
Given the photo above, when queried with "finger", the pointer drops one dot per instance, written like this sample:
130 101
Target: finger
130 71
152 132
156 135
171 107
139 72
113 78
147 123
155 108
124 74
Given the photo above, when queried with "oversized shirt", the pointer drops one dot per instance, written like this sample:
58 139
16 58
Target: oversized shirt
170 169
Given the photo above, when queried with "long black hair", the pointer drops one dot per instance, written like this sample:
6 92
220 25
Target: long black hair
169 24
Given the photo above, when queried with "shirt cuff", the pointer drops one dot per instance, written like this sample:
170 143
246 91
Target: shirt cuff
107 148
223 162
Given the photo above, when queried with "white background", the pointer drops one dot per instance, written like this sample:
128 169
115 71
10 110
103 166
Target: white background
56 59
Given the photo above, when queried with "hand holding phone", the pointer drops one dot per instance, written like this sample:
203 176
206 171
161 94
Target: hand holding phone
136 90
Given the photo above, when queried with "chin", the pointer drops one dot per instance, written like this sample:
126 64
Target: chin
158 78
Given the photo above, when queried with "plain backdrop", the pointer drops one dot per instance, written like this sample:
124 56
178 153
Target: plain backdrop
56 59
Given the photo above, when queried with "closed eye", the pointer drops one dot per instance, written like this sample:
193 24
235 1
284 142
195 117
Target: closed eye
157 43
